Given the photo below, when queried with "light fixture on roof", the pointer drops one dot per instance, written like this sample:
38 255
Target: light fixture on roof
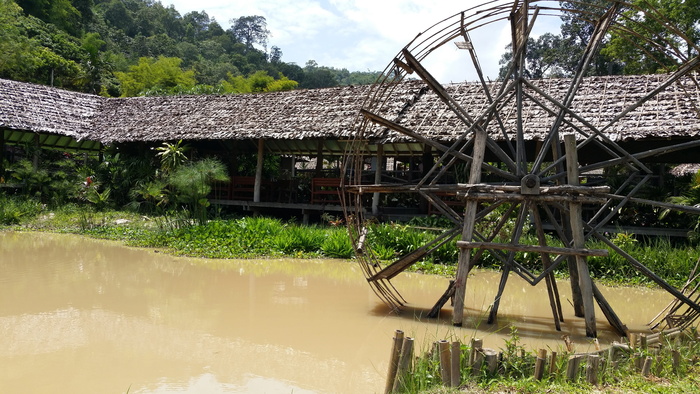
464 45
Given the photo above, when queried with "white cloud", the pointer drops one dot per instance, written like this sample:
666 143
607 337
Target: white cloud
359 34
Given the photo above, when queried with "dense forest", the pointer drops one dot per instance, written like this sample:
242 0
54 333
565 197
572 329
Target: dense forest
140 47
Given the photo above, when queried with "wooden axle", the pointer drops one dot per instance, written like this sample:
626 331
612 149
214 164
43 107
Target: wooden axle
532 248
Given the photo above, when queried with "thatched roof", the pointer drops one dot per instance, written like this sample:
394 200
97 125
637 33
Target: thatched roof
675 112
298 114
305 115
62 118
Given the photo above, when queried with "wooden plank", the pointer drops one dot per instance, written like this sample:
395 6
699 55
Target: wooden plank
533 248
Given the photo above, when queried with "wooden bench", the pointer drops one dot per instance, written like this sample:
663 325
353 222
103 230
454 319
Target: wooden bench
239 188
325 191
451 200
242 188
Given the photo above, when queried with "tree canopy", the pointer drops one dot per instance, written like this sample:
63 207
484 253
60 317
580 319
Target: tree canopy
140 47
641 43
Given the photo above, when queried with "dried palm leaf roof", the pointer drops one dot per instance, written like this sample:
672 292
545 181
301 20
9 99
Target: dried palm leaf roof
331 113
292 115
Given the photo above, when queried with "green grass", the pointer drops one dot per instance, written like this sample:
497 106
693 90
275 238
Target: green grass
260 236
515 370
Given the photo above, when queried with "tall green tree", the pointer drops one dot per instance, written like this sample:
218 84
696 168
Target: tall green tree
251 30
646 44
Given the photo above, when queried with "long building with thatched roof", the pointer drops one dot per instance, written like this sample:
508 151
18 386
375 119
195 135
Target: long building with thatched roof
288 121
320 123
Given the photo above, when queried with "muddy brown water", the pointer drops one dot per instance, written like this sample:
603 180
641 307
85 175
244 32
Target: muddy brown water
85 316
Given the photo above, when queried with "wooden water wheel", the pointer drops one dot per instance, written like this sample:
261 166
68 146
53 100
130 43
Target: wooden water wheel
528 154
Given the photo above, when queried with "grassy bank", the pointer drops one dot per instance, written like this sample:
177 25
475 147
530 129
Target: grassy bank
672 366
244 237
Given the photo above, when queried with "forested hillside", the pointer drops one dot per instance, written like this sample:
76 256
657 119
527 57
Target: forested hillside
140 47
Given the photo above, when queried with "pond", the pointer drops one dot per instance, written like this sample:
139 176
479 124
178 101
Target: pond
85 316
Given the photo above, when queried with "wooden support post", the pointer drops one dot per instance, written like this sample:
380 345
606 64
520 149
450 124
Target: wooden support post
449 293
464 264
2 153
445 368
259 170
378 178
37 152
576 221
404 365
394 361
455 355
539 363
319 159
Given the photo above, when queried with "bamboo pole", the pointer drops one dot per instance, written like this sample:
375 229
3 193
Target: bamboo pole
576 221
404 365
394 361
455 354
553 363
539 363
445 368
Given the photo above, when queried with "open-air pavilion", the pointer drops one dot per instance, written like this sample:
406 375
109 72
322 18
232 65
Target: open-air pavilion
307 128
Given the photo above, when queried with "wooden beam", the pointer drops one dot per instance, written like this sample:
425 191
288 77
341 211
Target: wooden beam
576 222
533 248
464 261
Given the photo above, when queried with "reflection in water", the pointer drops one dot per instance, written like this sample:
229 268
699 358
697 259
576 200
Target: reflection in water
85 316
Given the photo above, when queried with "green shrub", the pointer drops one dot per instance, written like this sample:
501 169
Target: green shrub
338 245
13 210
299 239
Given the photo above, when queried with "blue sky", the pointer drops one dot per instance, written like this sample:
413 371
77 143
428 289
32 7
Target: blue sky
361 35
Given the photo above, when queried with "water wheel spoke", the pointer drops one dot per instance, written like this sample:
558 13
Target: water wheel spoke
648 273
612 212
413 257
477 125
469 44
